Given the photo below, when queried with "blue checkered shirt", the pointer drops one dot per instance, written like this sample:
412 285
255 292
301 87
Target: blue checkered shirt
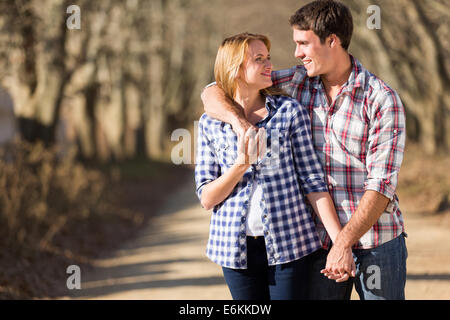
289 170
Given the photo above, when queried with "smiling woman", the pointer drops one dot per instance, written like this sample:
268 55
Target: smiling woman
247 49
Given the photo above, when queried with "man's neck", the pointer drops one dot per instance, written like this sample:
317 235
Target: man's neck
337 77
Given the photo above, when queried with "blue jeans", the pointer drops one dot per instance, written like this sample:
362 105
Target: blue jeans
263 282
380 274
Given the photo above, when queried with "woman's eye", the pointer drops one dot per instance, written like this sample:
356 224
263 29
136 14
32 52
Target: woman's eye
261 59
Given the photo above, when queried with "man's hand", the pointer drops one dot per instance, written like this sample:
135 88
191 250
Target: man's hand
241 125
219 106
371 206
340 264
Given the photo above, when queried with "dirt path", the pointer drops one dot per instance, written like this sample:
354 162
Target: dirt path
167 261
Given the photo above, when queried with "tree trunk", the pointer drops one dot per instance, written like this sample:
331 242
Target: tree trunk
411 60
156 120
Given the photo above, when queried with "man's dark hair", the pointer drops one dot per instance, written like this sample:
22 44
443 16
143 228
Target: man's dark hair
325 17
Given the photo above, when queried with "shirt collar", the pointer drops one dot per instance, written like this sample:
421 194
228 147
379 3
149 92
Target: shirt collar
270 105
355 80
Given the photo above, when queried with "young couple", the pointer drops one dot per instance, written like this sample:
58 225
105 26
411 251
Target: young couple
326 135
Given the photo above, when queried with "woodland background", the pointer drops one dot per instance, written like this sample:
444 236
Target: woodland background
82 111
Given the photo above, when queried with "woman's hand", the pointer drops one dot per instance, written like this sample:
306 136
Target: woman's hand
251 146
340 264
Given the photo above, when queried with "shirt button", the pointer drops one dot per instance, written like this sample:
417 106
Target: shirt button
243 219
395 131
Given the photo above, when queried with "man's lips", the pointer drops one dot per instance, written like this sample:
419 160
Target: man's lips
267 74
306 62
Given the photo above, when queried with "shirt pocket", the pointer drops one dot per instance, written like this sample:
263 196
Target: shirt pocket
278 147
351 134
224 150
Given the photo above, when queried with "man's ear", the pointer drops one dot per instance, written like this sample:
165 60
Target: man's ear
333 41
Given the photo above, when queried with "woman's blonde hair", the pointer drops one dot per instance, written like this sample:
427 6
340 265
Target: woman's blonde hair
229 59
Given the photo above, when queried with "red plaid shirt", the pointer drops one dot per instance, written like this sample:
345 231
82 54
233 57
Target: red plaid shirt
360 140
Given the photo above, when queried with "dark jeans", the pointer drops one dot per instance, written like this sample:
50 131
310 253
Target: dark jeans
263 282
380 274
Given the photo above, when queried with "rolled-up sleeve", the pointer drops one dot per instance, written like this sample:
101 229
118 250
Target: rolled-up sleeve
307 163
282 78
386 144
206 166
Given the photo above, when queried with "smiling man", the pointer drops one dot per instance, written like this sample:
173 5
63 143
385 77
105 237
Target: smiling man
358 127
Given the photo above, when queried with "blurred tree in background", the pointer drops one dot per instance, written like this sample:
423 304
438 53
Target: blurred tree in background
130 74
133 72
411 53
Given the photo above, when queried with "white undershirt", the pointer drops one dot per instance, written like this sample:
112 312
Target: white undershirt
253 224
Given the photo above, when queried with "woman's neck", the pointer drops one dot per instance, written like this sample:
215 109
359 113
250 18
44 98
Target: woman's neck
251 101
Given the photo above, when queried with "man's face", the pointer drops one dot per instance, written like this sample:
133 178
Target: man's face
314 55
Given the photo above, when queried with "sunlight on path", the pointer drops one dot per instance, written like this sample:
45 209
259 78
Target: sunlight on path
428 264
167 259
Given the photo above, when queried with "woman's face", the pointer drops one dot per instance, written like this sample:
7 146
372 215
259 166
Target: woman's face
256 69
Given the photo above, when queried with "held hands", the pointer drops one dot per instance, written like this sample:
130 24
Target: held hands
340 264
251 145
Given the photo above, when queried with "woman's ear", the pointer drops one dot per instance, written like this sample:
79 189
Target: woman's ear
240 73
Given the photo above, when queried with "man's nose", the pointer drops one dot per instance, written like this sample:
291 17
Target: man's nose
299 52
